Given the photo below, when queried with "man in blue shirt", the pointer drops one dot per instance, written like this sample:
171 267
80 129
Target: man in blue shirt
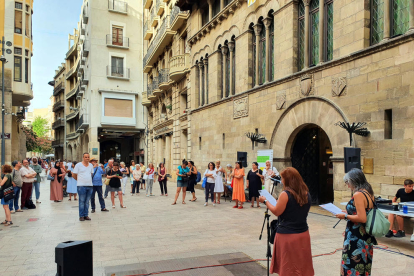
97 185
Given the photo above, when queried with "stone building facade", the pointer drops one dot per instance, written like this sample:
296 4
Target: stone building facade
291 70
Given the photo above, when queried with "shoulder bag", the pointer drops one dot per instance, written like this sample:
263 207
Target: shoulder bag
377 225
184 178
107 180
204 181
7 191
49 177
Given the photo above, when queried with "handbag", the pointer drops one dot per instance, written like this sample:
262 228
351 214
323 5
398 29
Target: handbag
377 225
107 180
49 177
273 230
204 182
145 177
232 183
8 192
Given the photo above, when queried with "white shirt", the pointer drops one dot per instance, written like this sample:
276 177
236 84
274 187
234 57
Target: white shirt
84 174
25 171
267 176
209 179
64 163
151 175
69 164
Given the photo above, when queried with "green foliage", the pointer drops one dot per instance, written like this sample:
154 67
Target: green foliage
40 126
31 138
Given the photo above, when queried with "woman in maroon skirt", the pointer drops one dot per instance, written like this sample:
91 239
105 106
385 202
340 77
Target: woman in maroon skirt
292 254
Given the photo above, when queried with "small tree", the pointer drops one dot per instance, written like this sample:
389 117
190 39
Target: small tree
44 145
39 126
31 138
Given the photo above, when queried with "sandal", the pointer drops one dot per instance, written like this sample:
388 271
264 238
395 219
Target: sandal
76 199
113 206
251 206
174 203
218 202
69 199
192 200
235 206
122 206
4 222
8 223
241 207
184 202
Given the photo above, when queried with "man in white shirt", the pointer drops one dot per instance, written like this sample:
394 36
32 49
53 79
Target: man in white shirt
28 177
82 173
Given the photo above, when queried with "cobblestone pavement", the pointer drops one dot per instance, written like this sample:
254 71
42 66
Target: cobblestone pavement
151 229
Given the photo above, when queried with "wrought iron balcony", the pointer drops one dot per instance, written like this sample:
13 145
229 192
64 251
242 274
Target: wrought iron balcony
58 105
85 48
148 32
116 42
72 115
154 17
179 66
71 135
164 79
160 7
145 101
71 50
82 124
178 18
59 88
118 6
85 15
117 72
58 123
73 91
58 143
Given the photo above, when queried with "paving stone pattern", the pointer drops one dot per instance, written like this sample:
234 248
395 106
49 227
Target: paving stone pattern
151 230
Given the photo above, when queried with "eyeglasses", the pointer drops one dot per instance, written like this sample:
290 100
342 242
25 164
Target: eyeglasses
346 182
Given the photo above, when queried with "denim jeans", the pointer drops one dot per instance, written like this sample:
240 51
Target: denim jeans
210 191
15 200
98 190
150 182
135 186
36 187
85 194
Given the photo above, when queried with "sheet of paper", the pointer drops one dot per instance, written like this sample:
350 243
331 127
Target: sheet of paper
331 208
268 197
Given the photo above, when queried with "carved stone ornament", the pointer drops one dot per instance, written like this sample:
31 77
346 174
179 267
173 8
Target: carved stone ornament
241 107
338 86
306 85
280 100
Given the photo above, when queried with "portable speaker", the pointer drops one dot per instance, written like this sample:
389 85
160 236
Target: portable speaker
74 258
352 158
242 157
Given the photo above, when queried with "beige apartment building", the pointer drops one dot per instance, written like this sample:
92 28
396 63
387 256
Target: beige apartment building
289 70
59 103
103 114
16 28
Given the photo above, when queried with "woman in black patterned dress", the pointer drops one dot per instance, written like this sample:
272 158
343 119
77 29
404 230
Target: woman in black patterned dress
358 250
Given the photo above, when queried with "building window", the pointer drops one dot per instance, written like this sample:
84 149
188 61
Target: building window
26 70
262 55
228 68
17 51
18 5
400 16
203 83
18 21
254 56
118 108
117 36
233 68
314 32
301 36
17 69
27 8
328 30
27 21
216 7
26 53
388 124
199 143
377 21
272 50
117 67
204 17
224 141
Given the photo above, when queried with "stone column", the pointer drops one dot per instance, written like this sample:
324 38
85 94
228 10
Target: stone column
411 16
321 30
168 153
201 93
257 29
205 94
224 51
210 9
387 20
221 4
231 48
267 21
306 54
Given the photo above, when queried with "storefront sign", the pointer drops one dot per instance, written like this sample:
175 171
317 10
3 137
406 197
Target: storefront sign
94 151
6 135
163 129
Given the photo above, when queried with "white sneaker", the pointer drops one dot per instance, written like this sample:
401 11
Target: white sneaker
132 194
214 205
412 238
206 204
37 201
147 195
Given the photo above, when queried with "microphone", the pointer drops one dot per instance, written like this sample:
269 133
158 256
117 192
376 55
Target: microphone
276 180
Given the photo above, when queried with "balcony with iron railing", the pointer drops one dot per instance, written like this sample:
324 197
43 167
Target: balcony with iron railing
58 123
85 48
179 66
154 17
73 91
164 82
74 113
72 135
160 7
178 18
58 143
150 92
155 87
118 6
85 14
117 72
117 42
148 32
73 69
145 101
59 88
82 124
58 105
158 44
147 3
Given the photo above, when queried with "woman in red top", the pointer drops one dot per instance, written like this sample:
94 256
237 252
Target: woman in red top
162 179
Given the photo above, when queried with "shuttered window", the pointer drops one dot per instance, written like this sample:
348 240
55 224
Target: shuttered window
17 69
118 108
117 36
18 21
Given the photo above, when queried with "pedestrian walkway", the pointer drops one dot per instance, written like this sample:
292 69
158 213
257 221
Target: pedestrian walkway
152 230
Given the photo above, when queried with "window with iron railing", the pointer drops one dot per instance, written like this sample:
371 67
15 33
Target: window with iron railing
118 6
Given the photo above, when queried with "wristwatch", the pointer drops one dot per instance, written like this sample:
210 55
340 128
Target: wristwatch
346 216
265 201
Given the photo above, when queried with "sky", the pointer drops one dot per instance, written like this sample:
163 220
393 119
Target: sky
53 21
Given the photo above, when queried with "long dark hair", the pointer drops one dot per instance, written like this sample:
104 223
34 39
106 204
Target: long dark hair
59 171
240 164
293 183
214 165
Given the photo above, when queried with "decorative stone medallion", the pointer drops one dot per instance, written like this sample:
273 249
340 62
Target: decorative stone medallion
241 107
306 85
280 100
338 86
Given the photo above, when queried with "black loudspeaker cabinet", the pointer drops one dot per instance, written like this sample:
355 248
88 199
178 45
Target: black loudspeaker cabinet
242 157
352 158
74 258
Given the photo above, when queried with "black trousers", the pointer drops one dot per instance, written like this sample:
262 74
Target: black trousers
210 190
135 186
98 190
163 186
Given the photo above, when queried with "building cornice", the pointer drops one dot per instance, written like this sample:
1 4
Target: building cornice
312 70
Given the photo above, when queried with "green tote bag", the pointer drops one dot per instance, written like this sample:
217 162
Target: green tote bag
377 224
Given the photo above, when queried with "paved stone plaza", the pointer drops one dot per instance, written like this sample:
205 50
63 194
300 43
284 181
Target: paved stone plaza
150 229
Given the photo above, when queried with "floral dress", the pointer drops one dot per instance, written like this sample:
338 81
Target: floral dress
358 248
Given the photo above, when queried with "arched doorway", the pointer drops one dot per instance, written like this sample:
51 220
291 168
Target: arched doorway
310 155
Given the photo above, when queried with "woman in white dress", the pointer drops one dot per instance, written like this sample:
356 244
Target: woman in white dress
218 187
268 173
72 188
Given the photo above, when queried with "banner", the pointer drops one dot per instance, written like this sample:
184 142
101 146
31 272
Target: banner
263 156
250 2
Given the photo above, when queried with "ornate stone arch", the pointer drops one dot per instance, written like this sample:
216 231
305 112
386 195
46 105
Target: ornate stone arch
261 11
201 53
311 110
226 35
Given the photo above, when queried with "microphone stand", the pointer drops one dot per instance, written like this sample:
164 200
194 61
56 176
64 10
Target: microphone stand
266 219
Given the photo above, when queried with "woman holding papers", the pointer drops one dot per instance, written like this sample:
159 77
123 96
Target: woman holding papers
358 245
292 247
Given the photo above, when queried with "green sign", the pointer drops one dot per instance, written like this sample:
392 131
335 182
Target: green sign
262 159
